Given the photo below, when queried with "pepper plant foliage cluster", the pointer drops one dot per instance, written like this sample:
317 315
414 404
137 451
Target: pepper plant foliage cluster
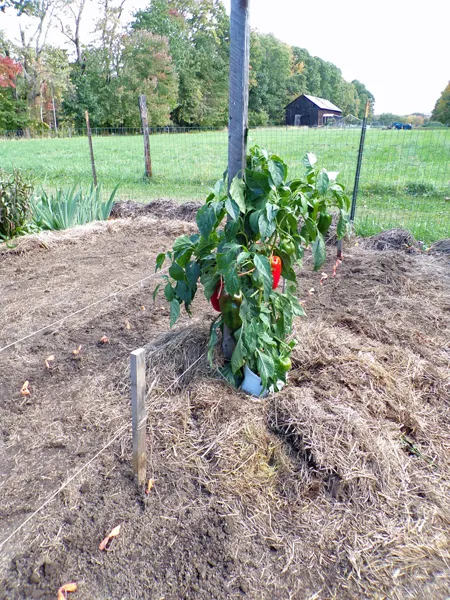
263 215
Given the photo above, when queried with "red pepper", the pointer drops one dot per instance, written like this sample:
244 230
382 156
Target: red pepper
275 263
216 295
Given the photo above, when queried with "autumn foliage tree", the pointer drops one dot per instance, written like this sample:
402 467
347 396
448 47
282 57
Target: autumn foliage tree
441 110
9 69
13 113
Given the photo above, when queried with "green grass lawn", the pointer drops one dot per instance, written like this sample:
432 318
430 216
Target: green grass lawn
404 179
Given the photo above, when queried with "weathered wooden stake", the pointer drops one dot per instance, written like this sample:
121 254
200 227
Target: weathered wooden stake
238 109
144 123
88 127
238 101
138 414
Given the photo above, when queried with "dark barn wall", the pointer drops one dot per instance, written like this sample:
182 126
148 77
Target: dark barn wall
311 115
304 107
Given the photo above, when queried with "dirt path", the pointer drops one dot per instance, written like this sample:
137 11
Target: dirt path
376 341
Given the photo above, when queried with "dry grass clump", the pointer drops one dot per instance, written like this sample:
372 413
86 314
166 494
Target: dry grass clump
346 471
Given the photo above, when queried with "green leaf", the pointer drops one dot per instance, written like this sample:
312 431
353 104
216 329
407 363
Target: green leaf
231 230
237 193
206 220
176 272
266 227
228 375
192 273
231 280
343 225
181 243
155 292
254 217
209 281
257 182
264 271
169 292
266 367
277 170
310 160
232 209
184 292
322 183
174 312
237 358
182 250
318 251
227 255
311 227
160 260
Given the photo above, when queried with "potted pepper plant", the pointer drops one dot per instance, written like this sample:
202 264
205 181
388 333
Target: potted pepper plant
249 237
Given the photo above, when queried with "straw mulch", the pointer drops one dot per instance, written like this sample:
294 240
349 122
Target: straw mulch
346 472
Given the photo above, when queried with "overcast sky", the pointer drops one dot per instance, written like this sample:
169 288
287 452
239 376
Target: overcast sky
399 49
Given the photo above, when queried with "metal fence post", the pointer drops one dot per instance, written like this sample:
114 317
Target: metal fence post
359 162
357 174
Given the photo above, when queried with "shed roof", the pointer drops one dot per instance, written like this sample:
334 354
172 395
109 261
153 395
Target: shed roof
320 102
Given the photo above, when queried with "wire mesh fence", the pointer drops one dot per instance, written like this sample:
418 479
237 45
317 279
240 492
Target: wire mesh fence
405 175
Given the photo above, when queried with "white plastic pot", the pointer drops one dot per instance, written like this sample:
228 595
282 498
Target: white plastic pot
252 384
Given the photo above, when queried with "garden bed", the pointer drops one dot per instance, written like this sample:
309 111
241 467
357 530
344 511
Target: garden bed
337 487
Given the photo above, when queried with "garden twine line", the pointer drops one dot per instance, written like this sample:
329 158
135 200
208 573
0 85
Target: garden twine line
60 321
116 435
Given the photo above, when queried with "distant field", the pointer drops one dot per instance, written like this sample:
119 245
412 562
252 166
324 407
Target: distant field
404 179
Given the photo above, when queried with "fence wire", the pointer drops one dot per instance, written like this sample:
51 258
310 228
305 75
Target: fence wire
405 175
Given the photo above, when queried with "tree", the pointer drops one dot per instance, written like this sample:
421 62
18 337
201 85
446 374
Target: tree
416 120
146 68
198 32
13 113
388 118
9 69
270 63
441 111
109 91
70 23
26 7
364 96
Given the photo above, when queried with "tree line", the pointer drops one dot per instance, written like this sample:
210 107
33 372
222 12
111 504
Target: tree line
175 52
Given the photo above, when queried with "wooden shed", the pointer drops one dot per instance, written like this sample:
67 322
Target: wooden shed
311 111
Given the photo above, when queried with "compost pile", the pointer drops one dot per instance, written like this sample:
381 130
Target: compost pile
336 487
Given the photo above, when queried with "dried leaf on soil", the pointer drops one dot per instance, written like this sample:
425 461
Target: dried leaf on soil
114 533
64 589
24 389
104 340
49 360
150 484
77 351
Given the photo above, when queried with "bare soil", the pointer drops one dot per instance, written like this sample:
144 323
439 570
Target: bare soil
337 487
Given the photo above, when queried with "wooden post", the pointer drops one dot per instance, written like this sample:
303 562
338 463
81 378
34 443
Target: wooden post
144 123
238 100
238 110
88 127
139 414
